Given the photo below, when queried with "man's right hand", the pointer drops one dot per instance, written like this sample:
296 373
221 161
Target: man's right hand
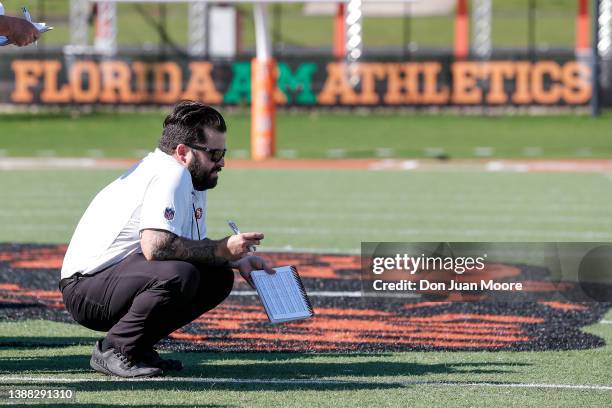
19 31
235 247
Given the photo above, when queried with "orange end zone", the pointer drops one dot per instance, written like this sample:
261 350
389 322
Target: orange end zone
343 323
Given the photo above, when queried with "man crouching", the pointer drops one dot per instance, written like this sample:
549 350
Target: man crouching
139 264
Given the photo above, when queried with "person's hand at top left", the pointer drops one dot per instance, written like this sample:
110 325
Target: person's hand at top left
19 31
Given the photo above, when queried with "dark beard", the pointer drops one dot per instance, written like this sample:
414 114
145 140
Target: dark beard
200 178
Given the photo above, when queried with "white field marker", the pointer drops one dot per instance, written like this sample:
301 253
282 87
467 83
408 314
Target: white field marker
384 152
287 153
483 151
297 381
336 153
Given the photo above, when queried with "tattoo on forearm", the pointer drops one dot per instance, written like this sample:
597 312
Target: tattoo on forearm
166 246
200 251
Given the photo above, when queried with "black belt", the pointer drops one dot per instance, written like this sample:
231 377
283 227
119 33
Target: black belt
67 281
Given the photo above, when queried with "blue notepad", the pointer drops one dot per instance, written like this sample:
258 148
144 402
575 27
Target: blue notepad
282 294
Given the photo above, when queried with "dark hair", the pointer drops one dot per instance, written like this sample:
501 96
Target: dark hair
187 124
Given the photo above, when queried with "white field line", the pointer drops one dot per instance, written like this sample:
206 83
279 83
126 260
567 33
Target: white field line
337 215
264 250
317 209
552 219
391 234
380 206
606 321
49 162
325 293
544 216
542 220
388 232
46 160
565 215
378 199
354 251
320 250
311 381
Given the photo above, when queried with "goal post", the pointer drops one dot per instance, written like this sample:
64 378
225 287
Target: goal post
263 84
346 45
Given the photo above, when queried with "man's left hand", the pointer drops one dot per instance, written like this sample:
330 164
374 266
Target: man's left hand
251 263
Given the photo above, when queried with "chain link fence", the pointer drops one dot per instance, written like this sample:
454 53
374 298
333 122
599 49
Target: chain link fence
524 26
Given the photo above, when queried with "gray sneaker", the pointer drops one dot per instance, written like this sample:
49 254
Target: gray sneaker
112 362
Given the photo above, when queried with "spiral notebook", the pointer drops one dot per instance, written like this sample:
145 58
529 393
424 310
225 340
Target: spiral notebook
282 294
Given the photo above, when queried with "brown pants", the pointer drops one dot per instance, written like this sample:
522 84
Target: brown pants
140 302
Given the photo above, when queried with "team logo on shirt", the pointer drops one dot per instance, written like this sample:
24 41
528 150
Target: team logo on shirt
198 213
169 213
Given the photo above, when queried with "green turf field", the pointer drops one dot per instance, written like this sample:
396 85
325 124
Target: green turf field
329 211
312 135
336 210
387 379
326 211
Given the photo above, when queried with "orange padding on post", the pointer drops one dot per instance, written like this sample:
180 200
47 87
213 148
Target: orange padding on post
583 38
339 33
263 83
462 31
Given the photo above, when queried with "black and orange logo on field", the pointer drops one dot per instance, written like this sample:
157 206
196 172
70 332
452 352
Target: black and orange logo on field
345 320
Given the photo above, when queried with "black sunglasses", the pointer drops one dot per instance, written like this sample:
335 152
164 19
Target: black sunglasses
215 154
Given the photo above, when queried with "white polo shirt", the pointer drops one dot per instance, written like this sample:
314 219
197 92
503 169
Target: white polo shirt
156 193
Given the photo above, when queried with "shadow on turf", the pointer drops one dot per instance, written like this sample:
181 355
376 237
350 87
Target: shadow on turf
66 364
43 342
268 366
